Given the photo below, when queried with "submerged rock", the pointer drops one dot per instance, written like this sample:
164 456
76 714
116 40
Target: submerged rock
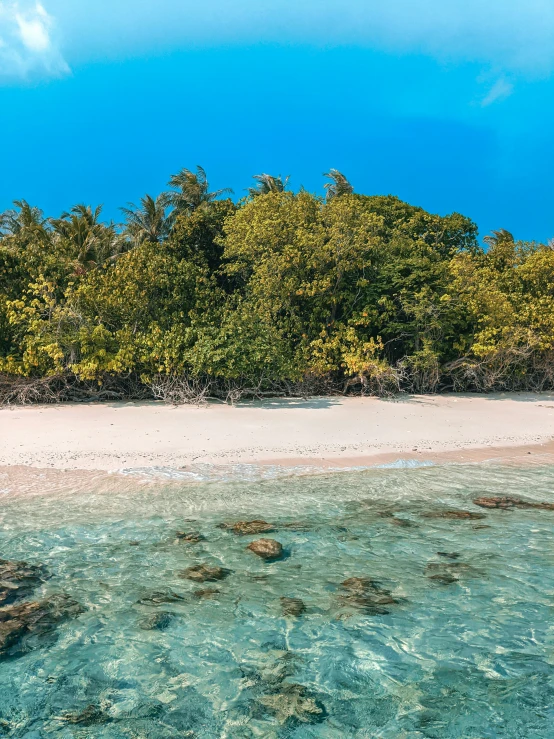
507 502
293 703
18 580
366 595
158 597
358 584
292 606
206 593
457 515
258 578
87 717
244 528
157 621
444 577
20 620
191 537
205 573
447 573
267 549
401 522
392 518
297 526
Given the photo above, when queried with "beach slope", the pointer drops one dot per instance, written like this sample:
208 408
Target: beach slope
322 431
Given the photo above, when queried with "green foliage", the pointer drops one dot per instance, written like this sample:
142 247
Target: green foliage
346 292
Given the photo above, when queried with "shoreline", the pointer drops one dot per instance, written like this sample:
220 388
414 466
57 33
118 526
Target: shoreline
319 432
19 481
513 454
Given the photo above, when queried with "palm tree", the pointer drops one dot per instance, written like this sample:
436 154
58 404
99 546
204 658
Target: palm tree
90 241
28 218
338 186
266 183
191 190
149 221
499 237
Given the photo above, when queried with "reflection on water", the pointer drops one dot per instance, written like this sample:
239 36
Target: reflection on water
390 612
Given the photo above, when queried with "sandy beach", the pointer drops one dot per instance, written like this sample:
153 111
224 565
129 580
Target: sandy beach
319 431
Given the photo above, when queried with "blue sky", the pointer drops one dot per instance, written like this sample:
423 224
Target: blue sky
446 104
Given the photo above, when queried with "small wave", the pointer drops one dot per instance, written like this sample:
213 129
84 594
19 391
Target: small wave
253 472
161 473
219 473
402 464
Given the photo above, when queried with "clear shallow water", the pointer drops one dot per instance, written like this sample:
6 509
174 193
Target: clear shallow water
466 651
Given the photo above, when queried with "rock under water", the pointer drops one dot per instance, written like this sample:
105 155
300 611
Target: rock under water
190 537
456 515
292 606
206 593
21 620
205 573
18 580
506 502
158 597
366 595
448 572
89 716
157 621
267 549
293 703
245 528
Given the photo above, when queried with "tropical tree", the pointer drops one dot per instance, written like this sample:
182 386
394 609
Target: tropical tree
350 292
339 185
191 190
89 241
23 217
502 248
266 183
26 247
498 237
149 221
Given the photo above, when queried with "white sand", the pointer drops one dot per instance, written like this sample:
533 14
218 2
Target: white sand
325 431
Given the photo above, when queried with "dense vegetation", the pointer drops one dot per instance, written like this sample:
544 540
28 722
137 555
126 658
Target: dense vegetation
282 293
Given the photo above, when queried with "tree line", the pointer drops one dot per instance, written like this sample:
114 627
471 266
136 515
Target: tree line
195 295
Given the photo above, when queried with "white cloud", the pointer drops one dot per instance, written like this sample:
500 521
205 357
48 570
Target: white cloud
506 34
34 30
499 91
27 47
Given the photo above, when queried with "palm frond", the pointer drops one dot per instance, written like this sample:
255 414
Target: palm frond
338 186
191 190
266 183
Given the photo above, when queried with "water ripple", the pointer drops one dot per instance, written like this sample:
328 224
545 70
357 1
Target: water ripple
413 623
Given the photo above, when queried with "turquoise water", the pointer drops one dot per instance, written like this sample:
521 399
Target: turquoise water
430 646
